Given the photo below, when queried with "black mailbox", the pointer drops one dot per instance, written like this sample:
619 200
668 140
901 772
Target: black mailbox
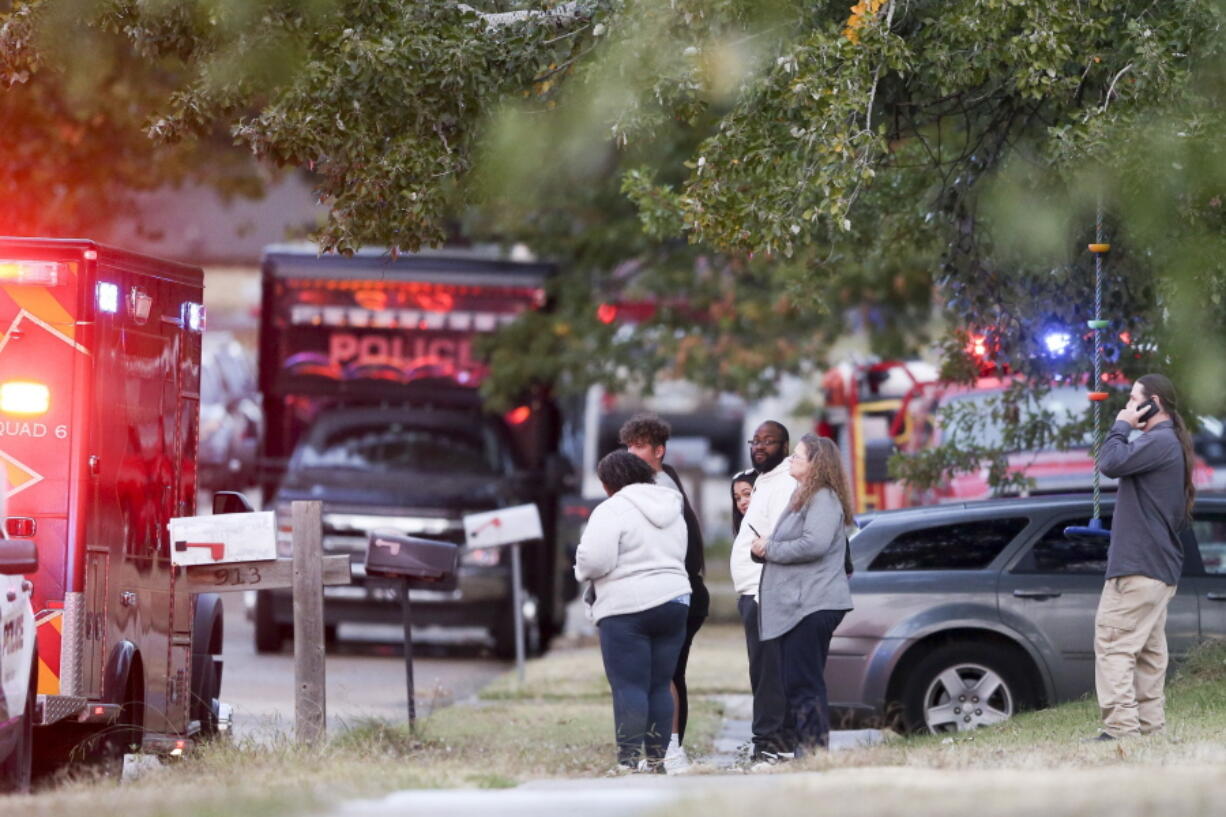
424 563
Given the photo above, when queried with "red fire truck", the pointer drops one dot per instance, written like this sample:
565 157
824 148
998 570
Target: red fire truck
99 408
875 409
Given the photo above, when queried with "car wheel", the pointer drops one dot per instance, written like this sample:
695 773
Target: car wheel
206 686
16 769
269 634
504 639
960 687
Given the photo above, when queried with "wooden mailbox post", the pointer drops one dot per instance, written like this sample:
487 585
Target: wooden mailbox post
232 552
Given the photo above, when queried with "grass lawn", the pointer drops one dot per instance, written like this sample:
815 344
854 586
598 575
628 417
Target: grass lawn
559 724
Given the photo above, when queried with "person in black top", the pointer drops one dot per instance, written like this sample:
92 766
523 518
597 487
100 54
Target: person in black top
646 436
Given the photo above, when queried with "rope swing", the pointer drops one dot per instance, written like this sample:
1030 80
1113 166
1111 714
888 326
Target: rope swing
1094 531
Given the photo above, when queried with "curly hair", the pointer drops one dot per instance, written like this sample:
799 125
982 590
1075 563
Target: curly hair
645 427
827 472
620 468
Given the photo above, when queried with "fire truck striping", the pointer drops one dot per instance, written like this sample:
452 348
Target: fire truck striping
48 626
40 302
24 315
20 476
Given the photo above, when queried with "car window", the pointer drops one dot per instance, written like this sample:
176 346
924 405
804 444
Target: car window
1211 538
963 546
1056 553
393 447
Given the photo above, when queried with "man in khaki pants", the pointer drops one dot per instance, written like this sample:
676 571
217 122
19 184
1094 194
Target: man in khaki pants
1145 558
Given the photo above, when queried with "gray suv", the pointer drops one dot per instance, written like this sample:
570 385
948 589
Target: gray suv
968 613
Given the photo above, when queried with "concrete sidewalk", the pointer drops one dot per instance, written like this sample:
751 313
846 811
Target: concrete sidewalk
613 796
736 731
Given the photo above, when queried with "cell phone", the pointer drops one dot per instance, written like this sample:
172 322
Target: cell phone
1146 411
753 557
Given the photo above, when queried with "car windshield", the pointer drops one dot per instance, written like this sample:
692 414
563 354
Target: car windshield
388 447
1066 403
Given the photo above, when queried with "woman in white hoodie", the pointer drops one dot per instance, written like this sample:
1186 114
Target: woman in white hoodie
633 554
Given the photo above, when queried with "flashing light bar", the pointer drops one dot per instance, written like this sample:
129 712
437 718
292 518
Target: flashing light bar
457 321
31 273
26 399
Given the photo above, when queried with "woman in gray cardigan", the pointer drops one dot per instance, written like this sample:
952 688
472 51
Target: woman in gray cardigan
804 592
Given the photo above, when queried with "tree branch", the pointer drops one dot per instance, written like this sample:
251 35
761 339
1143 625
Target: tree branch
558 15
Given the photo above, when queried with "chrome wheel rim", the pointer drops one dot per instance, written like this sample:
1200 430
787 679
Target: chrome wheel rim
965 697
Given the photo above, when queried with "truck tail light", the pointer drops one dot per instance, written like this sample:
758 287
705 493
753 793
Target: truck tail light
28 399
481 557
285 533
33 273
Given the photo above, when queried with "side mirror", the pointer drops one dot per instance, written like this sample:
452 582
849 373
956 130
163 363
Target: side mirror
18 557
560 474
877 455
230 502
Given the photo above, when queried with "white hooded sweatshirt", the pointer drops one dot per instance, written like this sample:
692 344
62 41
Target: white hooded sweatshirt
633 551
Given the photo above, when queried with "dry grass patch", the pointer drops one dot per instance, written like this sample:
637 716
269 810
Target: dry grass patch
718 665
492 744
1052 739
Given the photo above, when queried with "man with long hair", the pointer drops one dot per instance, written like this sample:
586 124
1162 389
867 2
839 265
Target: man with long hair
1145 558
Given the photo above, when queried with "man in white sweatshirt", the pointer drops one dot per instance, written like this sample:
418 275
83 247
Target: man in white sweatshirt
768 451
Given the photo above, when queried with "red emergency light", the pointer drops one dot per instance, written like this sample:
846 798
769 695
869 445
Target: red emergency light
32 273
20 527
519 416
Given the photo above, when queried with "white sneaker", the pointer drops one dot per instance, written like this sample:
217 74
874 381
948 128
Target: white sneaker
676 761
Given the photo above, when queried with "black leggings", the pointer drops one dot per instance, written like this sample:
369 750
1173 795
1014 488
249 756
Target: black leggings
640 655
692 626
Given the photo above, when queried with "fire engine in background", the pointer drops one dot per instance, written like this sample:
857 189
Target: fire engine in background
369 381
99 408
873 410
864 413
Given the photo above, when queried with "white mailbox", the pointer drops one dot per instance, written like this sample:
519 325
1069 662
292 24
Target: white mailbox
505 526
232 537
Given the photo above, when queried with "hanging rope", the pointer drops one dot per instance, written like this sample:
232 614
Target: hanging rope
1098 353
1095 529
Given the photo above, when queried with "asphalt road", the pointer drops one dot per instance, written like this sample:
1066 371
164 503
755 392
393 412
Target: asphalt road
365 678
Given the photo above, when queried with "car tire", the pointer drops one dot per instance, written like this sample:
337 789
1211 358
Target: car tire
126 736
208 635
16 770
961 686
504 639
270 635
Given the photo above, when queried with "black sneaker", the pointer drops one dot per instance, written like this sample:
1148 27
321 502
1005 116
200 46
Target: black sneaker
1101 737
760 761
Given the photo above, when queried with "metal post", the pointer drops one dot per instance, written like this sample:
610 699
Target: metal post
406 610
310 710
517 598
